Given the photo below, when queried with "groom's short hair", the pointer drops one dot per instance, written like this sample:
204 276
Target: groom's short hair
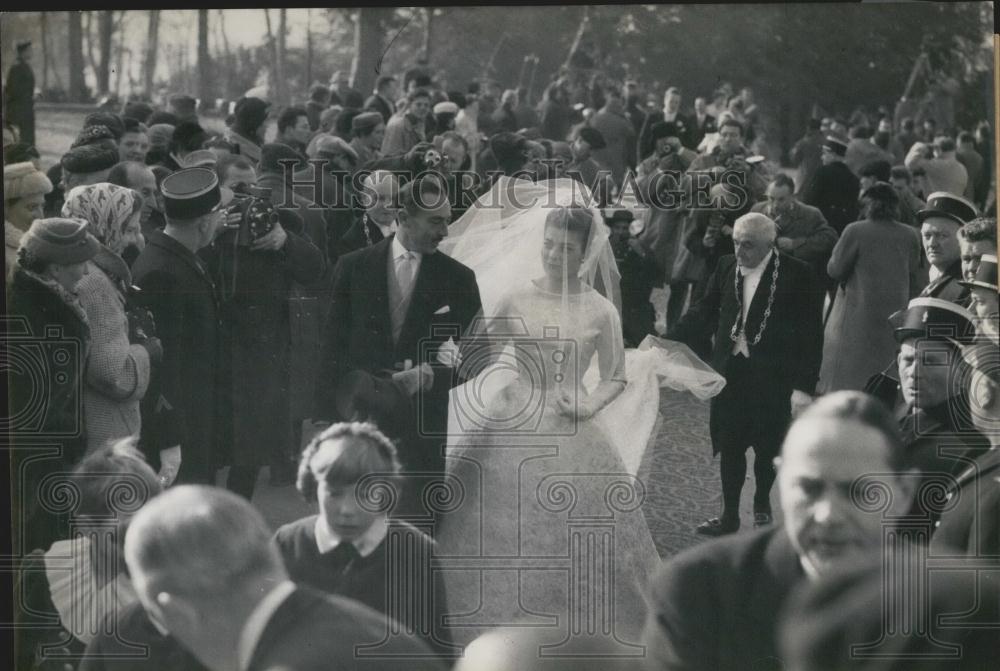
423 193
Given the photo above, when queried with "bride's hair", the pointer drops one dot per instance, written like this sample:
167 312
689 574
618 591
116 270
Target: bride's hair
576 220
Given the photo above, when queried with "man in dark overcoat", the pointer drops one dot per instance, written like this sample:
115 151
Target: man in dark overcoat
766 316
19 94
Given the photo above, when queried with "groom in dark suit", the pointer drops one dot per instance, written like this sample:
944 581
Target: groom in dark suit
395 304
764 308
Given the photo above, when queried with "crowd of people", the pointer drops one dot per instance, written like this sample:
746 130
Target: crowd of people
245 299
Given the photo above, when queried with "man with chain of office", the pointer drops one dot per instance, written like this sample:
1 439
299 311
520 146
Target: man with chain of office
765 313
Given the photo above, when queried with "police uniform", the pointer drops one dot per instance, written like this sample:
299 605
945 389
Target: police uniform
943 205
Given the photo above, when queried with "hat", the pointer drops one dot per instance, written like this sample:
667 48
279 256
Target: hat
986 275
138 110
23 179
366 120
92 134
618 215
250 112
881 191
89 158
592 137
200 158
983 354
506 147
664 129
160 135
933 318
59 240
184 103
949 206
162 117
113 123
446 107
189 135
330 145
19 152
363 395
193 192
273 153
836 145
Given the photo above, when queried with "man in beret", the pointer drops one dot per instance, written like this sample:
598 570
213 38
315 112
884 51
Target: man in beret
940 223
834 188
586 169
935 406
19 94
183 405
367 131
716 606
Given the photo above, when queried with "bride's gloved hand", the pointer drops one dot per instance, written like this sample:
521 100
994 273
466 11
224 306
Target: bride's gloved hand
573 407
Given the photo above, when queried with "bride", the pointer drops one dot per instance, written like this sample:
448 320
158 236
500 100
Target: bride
545 527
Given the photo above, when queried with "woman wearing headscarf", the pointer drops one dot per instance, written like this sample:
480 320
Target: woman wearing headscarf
119 369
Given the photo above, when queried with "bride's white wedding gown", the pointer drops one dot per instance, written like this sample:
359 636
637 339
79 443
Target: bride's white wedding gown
546 526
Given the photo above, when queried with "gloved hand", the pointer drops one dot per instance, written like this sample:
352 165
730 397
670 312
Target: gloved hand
170 465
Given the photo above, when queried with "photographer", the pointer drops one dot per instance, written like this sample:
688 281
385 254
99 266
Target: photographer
255 261
730 154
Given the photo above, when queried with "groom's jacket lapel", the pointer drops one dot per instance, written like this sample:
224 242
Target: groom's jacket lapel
377 274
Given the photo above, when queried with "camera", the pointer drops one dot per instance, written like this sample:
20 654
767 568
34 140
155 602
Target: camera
251 214
432 158
141 326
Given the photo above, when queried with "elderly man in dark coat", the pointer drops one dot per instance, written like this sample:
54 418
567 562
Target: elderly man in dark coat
182 405
764 309
19 94
255 271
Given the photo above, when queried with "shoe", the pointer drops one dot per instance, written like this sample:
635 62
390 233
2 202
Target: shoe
762 520
717 527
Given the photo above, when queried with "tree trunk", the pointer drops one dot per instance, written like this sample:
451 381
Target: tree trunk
584 21
77 83
45 52
309 50
273 48
205 83
106 30
89 34
152 49
283 94
428 36
369 37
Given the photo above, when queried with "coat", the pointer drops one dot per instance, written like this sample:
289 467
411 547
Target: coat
402 134
805 156
12 240
790 350
620 138
877 268
556 120
19 100
118 372
946 286
256 333
311 631
973 525
47 331
377 103
364 233
812 238
183 402
834 191
716 606
358 334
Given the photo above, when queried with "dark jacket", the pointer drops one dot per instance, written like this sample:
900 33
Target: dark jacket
946 286
716 606
358 334
834 190
135 644
972 527
790 351
182 403
378 104
312 631
364 233
19 100
49 336
254 291
404 554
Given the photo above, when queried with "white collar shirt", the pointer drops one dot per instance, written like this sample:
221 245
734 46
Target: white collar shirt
327 540
751 280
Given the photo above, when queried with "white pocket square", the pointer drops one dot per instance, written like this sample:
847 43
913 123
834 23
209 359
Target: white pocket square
443 311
